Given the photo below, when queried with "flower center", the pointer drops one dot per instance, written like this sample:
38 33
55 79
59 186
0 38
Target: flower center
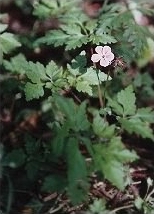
103 56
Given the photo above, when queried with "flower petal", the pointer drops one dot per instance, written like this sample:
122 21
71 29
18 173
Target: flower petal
95 57
109 56
106 50
104 62
99 50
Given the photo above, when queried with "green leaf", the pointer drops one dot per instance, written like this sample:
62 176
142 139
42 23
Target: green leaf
55 77
44 8
75 115
105 111
78 64
108 164
98 125
32 145
127 99
139 122
36 72
8 42
102 38
17 64
145 114
66 106
103 77
115 106
147 54
92 78
33 91
75 16
137 126
71 80
54 183
114 172
47 8
109 159
138 203
55 37
77 172
98 206
81 122
125 155
58 145
91 26
15 159
117 150
95 39
109 131
42 11
53 71
3 27
124 103
137 39
76 38
88 144
84 87
32 169
69 35
58 142
125 50
76 42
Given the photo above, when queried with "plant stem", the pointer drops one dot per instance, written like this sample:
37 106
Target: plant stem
10 195
105 3
100 93
121 208
56 209
149 195
99 88
105 87
78 100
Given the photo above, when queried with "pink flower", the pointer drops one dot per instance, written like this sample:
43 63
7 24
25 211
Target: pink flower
104 55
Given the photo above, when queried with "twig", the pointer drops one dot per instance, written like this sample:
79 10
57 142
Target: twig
55 210
78 100
121 208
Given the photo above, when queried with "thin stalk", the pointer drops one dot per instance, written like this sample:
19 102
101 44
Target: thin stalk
106 84
105 3
149 195
10 195
56 209
121 208
78 100
99 88
100 92
146 195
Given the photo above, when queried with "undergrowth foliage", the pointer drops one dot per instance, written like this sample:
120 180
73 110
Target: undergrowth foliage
83 139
